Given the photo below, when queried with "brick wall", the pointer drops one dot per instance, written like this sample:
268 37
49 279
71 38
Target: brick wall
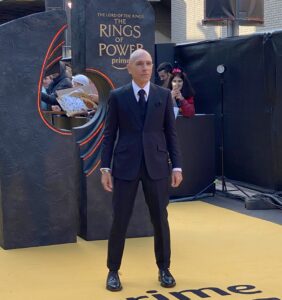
272 18
187 15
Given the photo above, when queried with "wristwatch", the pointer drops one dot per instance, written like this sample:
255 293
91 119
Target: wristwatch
103 171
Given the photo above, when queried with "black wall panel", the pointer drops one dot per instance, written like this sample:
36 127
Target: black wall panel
196 138
252 99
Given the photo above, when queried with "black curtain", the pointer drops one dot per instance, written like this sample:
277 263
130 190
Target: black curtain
252 98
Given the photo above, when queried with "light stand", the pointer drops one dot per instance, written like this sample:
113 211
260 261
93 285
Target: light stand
220 69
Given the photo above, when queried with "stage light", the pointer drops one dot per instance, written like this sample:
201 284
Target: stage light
220 69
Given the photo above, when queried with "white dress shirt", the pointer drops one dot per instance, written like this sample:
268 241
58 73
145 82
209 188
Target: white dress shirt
137 88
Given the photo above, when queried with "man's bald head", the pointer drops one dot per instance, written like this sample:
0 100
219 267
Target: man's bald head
137 53
140 67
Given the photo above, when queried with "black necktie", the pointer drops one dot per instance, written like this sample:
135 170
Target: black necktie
142 103
142 100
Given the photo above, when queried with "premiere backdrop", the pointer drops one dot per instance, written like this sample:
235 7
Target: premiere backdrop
103 37
38 184
50 188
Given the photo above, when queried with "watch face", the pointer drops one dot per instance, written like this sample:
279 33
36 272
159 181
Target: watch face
103 171
220 69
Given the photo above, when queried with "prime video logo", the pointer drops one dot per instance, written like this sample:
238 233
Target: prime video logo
207 292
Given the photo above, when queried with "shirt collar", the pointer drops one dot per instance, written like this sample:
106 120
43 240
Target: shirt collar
136 89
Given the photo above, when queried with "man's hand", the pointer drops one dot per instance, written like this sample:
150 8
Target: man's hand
106 180
56 108
176 178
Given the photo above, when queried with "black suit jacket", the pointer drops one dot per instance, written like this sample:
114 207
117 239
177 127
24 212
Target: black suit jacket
154 138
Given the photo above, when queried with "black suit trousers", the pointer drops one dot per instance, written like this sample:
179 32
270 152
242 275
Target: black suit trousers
156 196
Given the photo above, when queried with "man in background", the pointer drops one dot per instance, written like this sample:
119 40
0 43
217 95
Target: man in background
164 71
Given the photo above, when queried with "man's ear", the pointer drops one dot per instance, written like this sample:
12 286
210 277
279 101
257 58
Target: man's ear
128 68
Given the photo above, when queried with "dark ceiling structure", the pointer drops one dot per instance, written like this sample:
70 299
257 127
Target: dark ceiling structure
13 9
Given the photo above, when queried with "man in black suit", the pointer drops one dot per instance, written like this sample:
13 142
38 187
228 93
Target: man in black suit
142 115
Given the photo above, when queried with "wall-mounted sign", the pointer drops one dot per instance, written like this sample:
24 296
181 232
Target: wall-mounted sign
110 33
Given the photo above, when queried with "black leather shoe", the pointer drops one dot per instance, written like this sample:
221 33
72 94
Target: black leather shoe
166 279
113 283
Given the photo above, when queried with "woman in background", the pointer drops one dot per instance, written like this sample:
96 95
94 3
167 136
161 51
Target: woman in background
182 92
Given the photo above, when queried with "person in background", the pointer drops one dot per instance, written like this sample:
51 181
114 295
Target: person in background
182 92
164 71
89 99
60 82
45 83
80 80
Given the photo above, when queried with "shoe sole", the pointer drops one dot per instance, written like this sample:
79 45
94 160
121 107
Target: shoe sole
168 286
114 290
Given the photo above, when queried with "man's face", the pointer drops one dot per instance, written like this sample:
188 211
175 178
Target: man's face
140 68
164 75
177 83
46 81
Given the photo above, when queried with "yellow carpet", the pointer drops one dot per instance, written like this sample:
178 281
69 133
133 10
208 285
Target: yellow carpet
211 247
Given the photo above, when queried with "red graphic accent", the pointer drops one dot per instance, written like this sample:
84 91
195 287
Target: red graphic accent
92 135
54 61
103 75
94 149
56 48
94 168
109 81
40 81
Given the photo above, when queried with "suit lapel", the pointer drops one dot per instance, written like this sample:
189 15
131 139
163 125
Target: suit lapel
132 104
153 103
